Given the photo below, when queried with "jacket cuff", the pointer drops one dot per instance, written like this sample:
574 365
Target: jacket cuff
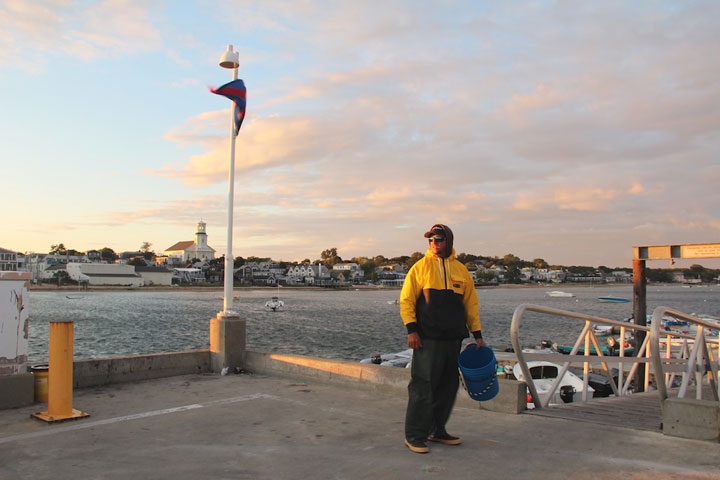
411 327
477 334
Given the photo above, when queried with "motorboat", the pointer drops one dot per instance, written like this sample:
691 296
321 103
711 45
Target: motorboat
274 304
611 349
691 329
559 294
401 359
603 330
613 299
544 374
600 383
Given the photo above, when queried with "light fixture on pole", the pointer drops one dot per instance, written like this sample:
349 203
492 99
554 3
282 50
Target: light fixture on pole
230 59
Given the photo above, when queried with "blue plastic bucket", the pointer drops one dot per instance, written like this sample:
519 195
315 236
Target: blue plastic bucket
478 372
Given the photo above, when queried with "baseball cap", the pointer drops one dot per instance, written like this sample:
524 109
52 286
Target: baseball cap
436 229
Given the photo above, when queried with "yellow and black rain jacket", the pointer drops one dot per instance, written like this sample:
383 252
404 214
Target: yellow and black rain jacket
438 299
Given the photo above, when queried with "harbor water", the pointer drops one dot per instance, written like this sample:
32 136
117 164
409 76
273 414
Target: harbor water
345 324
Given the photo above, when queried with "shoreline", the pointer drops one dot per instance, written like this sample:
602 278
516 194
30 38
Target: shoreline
212 288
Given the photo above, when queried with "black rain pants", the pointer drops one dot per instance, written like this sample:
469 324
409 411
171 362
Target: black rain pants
432 389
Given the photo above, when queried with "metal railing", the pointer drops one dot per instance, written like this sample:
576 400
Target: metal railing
692 358
682 351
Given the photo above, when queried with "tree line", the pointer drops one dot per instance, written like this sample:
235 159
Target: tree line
510 263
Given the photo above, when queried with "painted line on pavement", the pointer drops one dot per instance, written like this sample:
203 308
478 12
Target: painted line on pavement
136 416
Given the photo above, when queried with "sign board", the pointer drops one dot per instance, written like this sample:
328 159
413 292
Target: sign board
667 252
710 250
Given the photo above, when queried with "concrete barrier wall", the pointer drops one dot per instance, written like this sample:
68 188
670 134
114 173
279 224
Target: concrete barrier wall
386 380
104 371
16 390
512 397
691 418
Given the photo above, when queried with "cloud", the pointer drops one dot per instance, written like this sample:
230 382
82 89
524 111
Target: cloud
582 198
185 83
34 30
591 124
636 189
542 98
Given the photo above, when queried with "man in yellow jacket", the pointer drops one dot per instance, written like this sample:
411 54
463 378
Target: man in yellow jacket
438 304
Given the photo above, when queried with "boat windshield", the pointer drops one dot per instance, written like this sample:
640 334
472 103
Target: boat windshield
544 371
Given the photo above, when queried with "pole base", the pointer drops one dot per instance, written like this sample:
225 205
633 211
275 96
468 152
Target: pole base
46 417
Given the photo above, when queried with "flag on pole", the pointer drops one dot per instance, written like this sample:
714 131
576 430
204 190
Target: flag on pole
236 92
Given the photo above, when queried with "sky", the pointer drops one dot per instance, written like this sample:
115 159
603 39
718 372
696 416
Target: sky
567 131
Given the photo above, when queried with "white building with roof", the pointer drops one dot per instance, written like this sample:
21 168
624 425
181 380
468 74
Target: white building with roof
308 274
183 252
154 275
96 274
8 260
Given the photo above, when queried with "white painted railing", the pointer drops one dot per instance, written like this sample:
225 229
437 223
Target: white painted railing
669 363
698 354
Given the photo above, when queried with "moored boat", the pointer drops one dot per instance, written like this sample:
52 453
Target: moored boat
614 299
274 304
401 359
544 374
559 294
612 349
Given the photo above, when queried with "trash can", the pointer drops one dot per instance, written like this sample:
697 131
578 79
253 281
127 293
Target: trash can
41 372
478 372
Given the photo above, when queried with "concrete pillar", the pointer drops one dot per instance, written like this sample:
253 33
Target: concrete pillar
227 342
691 418
16 384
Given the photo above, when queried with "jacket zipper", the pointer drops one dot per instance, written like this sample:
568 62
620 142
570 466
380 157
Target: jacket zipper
444 273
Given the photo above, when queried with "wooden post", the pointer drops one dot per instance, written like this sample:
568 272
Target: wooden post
640 315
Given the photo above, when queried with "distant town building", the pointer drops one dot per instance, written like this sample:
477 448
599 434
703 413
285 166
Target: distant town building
154 275
183 252
125 257
8 260
187 275
346 266
351 272
308 275
96 274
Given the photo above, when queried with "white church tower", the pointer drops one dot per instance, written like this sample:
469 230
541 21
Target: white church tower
198 248
201 235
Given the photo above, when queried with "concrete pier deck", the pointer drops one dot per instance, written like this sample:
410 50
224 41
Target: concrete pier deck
254 426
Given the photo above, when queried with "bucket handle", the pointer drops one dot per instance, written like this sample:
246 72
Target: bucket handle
473 395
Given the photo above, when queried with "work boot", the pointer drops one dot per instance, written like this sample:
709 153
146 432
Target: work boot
417 446
445 438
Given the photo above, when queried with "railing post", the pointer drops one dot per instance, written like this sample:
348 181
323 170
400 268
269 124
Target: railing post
640 315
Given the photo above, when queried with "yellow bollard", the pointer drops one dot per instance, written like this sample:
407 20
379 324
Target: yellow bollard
60 379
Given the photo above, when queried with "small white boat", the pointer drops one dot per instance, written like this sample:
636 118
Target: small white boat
613 299
544 374
399 359
274 304
602 329
560 294
393 302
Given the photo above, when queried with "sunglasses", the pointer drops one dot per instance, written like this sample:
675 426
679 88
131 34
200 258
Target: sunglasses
436 239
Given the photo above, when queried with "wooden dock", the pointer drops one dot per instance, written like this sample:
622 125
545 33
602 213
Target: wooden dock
640 411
